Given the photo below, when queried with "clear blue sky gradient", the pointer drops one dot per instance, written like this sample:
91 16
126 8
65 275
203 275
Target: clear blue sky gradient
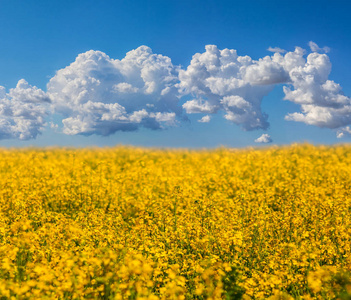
37 38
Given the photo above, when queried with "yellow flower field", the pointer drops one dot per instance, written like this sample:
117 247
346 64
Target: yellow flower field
130 223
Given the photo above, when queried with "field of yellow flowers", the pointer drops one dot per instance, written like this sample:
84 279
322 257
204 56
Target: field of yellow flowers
130 223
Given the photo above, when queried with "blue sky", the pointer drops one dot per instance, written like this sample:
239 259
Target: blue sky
39 38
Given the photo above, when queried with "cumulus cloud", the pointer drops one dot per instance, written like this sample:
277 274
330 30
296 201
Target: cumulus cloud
205 119
97 94
264 138
22 111
100 95
199 106
322 101
221 80
266 71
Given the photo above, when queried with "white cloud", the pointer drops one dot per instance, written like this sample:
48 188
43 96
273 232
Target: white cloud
22 111
205 119
266 71
100 95
314 47
264 138
53 126
199 106
125 87
276 49
220 80
96 94
346 131
322 102
167 118
240 111
290 60
216 74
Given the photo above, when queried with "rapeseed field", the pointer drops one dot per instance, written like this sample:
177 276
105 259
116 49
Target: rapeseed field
130 223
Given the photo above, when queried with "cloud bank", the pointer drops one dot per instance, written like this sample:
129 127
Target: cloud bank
220 80
100 95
